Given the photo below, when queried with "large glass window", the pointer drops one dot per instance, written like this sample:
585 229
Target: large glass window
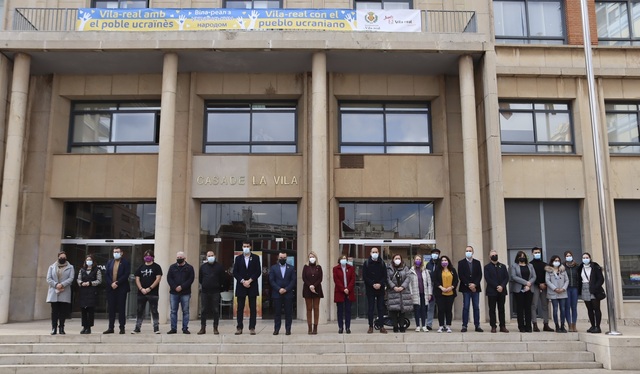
115 127
112 220
618 22
627 228
385 128
622 127
383 4
251 128
123 4
253 4
529 21
387 221
527 127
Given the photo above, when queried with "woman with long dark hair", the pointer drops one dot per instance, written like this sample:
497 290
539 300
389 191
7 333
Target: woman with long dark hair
522 277
89 279
445 282
59 278
592 290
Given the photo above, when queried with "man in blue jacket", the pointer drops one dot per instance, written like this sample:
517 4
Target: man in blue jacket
282 278
117 283
180 277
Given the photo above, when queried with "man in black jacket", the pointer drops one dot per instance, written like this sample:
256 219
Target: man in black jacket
247 271
374 273
180 277
539 290
497 276
470 273
212 280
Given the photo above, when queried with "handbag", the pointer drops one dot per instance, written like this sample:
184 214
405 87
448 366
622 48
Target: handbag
600 295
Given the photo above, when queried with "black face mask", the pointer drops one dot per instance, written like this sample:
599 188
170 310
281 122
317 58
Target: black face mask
282 261
522 259
494 258
180 260
61 261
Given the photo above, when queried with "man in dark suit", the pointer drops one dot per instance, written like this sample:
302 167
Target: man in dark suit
470 273
117 283
247 270
282 278
497 276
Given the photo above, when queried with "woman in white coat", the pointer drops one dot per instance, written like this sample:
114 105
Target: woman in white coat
421 292
59 277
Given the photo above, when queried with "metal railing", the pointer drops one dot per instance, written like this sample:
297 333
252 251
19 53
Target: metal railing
64 19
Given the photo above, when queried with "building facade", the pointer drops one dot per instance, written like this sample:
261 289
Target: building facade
472 130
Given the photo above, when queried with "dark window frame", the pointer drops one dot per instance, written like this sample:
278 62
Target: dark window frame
253 2
624 144
528 39
631 39
93 3
536 143
71 144
424 106
249 104
383 2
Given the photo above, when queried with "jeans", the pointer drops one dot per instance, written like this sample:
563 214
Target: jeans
431 308
210 304
498 301
183 301
344 313
420 312
571 311
153 308
562 303
375 302
474 298
539 299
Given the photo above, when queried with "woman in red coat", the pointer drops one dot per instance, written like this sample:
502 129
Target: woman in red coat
344 278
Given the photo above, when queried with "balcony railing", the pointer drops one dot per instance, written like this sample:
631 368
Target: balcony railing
64 19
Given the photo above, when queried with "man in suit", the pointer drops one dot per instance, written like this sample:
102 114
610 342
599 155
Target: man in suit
247 270
282 278
470 273
117 279
497 277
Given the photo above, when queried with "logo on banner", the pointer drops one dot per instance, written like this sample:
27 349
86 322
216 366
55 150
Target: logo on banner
371 17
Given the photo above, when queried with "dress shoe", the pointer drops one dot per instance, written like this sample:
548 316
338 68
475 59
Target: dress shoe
84 331
370 331
596 330
395 329
340 331
503 329
479 329
215 330
88 330
464 329
61 330
494 330
402 330
276 332
348 331
172 331
121 331
54 331
383 330
186 331
108 331
288 332
238 332
535 327
547 328
203 330
252 331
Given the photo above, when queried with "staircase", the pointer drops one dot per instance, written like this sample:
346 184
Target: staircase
327 352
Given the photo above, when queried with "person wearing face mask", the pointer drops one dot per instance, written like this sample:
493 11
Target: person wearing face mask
497 277
246 271
557 282
59 278
312 291
89 279
539 292
148 277
399 300
180 278
344 279
470 272
213 280
592 291
117 284
571 311
374 274
432 265
282 278
522 277
421 292
445 281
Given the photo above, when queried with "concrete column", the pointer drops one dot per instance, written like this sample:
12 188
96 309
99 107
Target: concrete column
319 220
12 176
470 156
165 177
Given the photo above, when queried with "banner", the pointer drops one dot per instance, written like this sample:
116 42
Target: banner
189 19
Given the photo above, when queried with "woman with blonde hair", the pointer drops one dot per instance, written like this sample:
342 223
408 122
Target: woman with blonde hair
421 292
312 291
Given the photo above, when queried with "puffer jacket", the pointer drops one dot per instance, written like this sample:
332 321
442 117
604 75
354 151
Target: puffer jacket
556 279
414 287
399 277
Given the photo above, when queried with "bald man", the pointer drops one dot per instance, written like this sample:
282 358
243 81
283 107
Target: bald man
180 277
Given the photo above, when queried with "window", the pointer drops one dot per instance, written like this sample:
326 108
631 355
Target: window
618 22
535 127
383 4
122 4
115 127
253 4
385 128
622 126
250 128
627 227
387 220
529 21
112 220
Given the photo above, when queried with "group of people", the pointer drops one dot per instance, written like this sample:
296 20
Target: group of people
421 287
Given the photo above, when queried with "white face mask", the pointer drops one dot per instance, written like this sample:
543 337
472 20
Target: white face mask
246 250
374 256
586 261
117 255
211 259
89 263
556 264
569 258
434 256
343 262
312 260
397 262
